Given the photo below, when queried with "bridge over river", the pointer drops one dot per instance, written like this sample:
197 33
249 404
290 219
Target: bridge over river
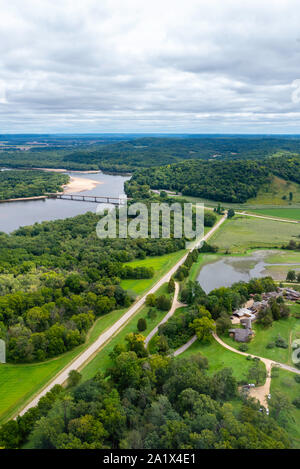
90 198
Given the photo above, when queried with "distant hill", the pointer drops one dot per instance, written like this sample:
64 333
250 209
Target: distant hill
129 153
224 181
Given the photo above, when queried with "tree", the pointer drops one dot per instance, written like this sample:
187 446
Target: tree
163 303
223 323
171 285
290 196
256 373
203 328
151 300
279 404
142 324
74 378
230 213
291 276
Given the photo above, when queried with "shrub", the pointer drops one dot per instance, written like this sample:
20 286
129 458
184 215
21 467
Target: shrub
297 379
296 402
280 342
243 348
270 345
142 324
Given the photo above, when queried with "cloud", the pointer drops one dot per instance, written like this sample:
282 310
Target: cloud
169 65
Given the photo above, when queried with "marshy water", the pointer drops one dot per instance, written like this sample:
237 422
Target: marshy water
230 269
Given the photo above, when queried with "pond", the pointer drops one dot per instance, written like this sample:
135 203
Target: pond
230 269
16 214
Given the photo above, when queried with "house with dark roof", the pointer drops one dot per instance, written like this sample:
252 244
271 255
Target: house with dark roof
241 335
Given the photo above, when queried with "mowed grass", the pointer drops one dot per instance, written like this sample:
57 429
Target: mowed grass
219 358
265 335
242 233
102 361
160 264
285 383
286 213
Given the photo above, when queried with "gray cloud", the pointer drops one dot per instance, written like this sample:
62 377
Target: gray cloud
195 66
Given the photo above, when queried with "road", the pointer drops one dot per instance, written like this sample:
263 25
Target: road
260 392
88 354
175 304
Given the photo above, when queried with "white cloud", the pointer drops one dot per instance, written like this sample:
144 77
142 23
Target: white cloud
136 65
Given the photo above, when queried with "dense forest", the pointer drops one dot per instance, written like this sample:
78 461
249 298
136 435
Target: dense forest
230 181
128 153
225 181
152 402
57 277
18 184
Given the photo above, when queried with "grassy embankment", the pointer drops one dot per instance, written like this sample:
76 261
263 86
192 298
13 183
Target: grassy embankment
19 383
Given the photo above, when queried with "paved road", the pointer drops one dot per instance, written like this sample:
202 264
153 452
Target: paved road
184 347
88 354
175 304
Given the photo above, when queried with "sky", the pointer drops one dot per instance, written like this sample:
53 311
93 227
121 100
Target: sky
174 66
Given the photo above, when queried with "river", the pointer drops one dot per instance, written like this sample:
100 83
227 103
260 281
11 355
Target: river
16 214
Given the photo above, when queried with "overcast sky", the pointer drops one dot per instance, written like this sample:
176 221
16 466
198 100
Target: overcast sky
220 66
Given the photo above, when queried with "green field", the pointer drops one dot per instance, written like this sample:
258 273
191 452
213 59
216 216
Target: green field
219 357
242 233
287 213
160 264
286 384
102 360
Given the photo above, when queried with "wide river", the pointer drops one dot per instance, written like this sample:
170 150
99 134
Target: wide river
16 214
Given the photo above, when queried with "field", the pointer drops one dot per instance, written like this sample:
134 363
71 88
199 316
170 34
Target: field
219 358
19 383
285 383
102 360
242 233
287 213
160 264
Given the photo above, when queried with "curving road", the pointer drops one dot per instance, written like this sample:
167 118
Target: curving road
175 304
261 392
88 354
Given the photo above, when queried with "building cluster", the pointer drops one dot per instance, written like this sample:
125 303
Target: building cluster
245 316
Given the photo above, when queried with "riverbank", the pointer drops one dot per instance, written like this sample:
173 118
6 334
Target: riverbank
78 184
24 199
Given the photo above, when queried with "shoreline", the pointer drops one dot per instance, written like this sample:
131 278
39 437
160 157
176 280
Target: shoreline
78 184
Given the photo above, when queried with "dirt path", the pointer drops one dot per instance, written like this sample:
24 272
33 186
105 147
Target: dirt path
105 337
265 217
175 304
